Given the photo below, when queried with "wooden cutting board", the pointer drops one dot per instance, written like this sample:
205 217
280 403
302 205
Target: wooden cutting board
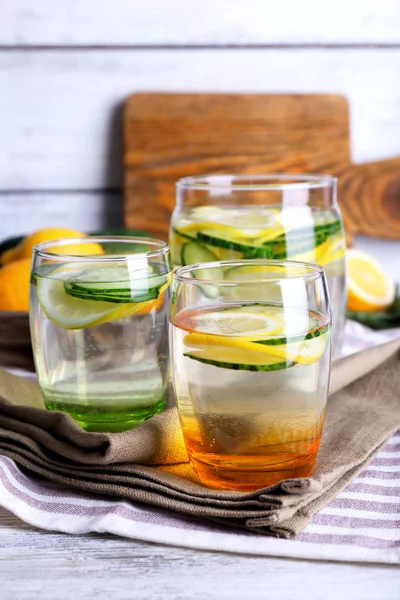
168 136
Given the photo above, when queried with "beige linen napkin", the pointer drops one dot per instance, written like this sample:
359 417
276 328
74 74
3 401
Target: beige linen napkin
149 464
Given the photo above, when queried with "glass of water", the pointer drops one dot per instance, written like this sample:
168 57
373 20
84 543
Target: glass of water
99 316
250 364
233 217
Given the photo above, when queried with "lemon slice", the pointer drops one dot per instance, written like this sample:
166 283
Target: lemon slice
285 222
369 288
238 322
73 313
263 333
209 213
334 252
227 230
239 223
305 352
268 234
255 222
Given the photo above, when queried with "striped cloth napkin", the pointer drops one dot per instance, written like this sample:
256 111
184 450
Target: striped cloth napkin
361 524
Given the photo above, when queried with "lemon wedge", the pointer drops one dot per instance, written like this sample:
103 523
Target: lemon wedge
369 288
77 249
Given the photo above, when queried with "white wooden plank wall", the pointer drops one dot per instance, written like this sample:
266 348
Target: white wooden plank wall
67 66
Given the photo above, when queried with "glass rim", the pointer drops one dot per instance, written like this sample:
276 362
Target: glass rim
184 274
160 248
257 182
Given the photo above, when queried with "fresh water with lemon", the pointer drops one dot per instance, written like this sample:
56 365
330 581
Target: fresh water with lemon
306 234
251 385
100 341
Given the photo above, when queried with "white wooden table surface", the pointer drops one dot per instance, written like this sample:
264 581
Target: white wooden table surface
39 564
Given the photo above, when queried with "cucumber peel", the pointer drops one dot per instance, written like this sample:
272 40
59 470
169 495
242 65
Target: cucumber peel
112 283
237 359
248 250
279 341
225 344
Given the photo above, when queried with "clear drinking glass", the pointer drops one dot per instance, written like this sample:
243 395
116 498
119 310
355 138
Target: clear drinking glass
229 217
250 351
99 328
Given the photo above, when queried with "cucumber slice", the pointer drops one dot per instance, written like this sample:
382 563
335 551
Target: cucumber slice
244 354
185 236
280 341
308 351
193 253
112 283
237 359
71 313
302 351
248 251
111 297
270 319
132 287
303 235
328 228
294 249
323 230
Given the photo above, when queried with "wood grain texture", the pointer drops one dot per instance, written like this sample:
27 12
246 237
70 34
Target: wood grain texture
238 22
168 136
40 565
369 197
68 135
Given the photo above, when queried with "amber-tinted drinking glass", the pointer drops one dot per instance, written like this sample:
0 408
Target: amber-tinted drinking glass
250 361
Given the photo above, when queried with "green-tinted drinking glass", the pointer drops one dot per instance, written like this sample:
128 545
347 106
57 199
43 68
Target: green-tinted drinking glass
99 327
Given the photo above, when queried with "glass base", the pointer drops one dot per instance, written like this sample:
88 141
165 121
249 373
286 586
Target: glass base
100 419
250 473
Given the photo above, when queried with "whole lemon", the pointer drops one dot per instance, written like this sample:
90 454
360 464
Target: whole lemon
82 249
24 249
14 285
